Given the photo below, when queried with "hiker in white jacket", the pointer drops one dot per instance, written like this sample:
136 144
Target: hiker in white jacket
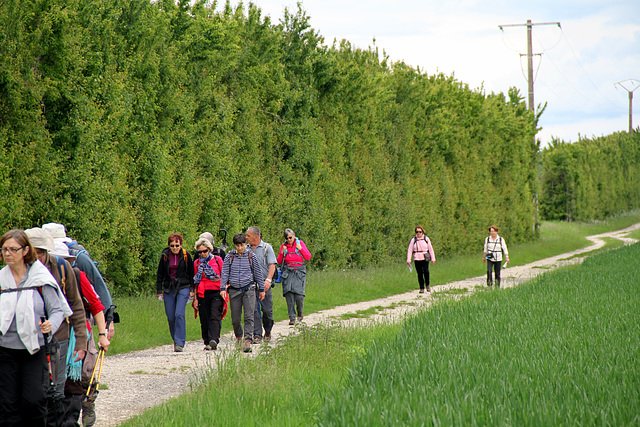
31 308
494 247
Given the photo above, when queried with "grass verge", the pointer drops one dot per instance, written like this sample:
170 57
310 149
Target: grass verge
144 324
561 350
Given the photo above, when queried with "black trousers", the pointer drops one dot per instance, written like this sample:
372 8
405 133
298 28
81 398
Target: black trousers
422 268
493 265
211 308
23 380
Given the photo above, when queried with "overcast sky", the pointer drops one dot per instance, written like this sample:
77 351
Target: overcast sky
597 46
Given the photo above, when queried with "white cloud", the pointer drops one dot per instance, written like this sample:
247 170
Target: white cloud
599 45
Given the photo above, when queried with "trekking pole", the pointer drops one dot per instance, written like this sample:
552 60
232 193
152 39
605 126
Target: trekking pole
47 351
93 385
92 389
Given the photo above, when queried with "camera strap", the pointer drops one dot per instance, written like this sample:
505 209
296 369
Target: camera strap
498 240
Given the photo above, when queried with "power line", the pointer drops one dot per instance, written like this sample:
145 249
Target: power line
529 26
583 70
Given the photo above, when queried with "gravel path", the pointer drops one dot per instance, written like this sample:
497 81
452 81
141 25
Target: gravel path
140 380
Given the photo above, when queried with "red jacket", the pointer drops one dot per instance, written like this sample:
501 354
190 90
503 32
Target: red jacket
207 284
90 298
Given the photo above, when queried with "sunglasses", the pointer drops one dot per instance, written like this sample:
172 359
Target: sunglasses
290 238
175 246
204 251
419 231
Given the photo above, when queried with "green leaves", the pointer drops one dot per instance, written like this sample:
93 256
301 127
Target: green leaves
135 120
592 178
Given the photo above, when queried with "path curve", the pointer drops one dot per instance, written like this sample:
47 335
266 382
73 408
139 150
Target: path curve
142 379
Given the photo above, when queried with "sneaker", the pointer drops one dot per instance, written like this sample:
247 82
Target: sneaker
428 288
300 317
178 348
292 322
213 345
257 339
247 346
422 291
207 347
267 337
88 414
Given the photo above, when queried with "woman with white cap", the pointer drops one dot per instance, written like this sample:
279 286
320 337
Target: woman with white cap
76 385
31 308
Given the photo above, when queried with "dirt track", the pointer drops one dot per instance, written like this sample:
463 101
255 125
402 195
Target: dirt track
139 380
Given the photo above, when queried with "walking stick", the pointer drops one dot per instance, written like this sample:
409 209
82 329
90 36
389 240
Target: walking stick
92 390
48 350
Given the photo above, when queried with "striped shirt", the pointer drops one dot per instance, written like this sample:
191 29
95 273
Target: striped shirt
239 274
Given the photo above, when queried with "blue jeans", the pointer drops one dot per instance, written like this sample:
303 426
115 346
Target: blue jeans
174 307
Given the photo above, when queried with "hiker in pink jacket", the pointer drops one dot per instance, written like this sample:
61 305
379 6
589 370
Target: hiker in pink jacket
292 256
422 252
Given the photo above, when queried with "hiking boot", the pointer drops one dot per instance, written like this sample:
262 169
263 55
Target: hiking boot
428 288
207 347
213 345
292 322
422 291
178 348
88 414
267 337
247 346
300 317
257 339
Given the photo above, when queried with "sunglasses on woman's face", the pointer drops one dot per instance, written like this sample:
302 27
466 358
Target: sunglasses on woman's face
290 238
419 231
204 251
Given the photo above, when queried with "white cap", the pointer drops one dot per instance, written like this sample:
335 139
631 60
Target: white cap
61 249
40 239
57 230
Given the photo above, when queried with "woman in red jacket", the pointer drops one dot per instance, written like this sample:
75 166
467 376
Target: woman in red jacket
293 253
208 268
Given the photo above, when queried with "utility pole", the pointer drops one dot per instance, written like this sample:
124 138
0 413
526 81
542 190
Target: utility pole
529 26
635 83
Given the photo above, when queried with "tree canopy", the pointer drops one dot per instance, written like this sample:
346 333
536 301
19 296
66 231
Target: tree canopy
128 120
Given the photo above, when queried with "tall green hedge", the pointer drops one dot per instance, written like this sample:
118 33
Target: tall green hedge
128 120
592 178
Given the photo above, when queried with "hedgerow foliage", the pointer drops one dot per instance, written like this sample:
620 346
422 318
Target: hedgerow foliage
591 178
128 120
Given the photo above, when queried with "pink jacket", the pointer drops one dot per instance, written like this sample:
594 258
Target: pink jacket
419 248
293 259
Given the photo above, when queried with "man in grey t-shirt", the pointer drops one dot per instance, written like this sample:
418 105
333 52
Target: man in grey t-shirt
267 261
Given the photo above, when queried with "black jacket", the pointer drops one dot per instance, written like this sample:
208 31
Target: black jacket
184 276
